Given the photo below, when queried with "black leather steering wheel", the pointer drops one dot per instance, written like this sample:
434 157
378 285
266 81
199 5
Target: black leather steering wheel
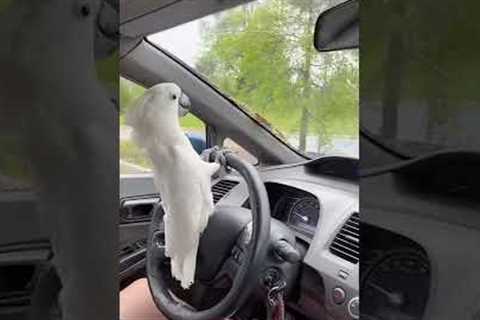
217 241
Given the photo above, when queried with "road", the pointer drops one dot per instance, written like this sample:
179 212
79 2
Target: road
130 168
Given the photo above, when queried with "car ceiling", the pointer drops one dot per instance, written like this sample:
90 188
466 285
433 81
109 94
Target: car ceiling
143 17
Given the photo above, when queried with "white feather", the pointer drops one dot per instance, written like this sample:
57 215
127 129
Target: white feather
181 176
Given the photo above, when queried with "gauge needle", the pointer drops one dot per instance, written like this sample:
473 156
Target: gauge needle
396 299
303 218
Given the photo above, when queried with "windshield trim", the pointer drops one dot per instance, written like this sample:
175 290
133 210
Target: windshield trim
383 144
229 99
392 148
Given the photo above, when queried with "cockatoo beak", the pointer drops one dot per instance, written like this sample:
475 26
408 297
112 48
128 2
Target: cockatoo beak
183 105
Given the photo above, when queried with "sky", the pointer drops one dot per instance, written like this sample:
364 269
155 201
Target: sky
183 41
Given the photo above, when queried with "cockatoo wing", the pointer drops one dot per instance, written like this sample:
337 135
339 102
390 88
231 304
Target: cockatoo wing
185 219
135 118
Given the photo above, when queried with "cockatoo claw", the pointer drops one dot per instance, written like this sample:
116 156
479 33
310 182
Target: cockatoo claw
217 154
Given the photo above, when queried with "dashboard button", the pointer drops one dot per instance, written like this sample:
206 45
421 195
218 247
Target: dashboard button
354 308
338 295
343 274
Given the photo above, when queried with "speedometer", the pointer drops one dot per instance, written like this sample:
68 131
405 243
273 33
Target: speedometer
396 286
304 213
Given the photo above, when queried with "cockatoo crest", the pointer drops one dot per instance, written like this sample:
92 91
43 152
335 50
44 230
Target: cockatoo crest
183 179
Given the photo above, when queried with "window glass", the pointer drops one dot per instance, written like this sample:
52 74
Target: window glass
420 87
261 54
239 151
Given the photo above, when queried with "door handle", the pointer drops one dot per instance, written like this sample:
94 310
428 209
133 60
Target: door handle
137 210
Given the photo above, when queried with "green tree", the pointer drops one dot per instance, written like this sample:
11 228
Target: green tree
263 56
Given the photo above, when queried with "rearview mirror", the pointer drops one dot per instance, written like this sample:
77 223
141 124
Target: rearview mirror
337 27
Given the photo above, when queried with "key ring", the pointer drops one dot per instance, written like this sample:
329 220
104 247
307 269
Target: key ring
273 291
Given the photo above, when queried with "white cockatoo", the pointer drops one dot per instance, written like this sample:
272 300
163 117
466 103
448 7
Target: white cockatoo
183 179
58 114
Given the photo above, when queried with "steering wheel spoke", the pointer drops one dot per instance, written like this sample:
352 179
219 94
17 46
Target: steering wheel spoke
226 275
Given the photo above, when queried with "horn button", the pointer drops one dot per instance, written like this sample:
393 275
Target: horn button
216 243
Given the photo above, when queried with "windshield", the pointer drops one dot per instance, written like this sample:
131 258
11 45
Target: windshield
420 88
261 55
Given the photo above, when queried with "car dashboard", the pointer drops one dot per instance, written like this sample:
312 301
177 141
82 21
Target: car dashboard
322 212
405 274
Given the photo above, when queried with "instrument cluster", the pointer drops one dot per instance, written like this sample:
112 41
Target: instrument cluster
299 209
394 276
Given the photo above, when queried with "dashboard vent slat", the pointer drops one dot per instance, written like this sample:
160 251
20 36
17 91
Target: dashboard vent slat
221 188
346 242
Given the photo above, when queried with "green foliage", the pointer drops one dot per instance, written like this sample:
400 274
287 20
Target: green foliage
192 123
4 4
107 71
129 92
131 153
263 56
420 57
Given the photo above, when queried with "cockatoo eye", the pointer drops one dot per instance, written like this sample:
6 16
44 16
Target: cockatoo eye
173 96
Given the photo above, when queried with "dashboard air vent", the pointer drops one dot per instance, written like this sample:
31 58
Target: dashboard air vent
221 188
346 244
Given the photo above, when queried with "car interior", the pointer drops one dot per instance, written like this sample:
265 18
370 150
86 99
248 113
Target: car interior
406 273
313 203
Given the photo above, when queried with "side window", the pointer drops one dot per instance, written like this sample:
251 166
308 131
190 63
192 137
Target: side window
240 151
133 160
195 129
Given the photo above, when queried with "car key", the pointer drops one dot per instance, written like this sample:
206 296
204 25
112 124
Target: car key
275 305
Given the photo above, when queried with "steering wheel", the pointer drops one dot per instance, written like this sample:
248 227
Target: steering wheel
226 227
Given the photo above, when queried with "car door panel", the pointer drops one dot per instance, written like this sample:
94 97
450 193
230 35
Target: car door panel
137 200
